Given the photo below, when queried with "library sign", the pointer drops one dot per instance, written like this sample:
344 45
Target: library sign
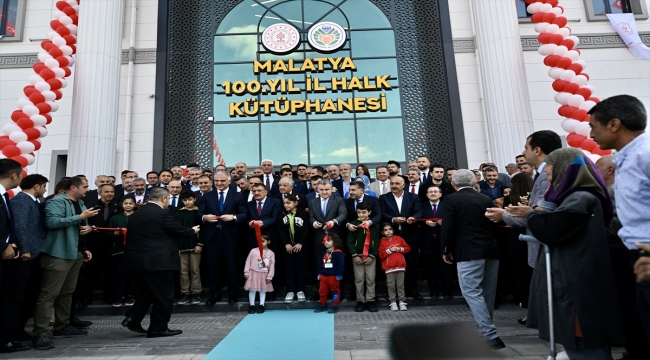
283 39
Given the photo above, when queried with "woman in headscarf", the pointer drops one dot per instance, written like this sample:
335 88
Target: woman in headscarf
366 185
585 305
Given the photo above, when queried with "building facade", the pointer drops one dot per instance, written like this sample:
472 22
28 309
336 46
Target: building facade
458 80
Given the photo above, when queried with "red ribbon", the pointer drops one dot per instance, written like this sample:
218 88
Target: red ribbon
123 230
428 219
366 244
327 234
258 235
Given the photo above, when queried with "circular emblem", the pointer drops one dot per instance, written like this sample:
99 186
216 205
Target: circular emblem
627 28
326 36
280 38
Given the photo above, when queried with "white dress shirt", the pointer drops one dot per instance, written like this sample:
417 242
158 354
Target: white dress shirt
417 187
385 185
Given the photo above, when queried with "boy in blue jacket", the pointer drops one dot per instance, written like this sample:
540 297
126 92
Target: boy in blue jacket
330 274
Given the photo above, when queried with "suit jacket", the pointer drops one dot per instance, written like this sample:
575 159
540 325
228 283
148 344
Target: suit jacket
275 188
302 200
299 187
94 238
234 204
410 208
445 187
152 240
312 195
376 187
29 224
465 230
199 195
92 198
270 211
422 190
373 202
5 225
505 179
428 233
338 184
336 210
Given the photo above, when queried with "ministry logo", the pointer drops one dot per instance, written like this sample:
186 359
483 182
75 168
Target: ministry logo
280 38
326 36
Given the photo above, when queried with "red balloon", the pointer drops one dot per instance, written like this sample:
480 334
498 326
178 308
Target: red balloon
587 118
32 133
584 92
47 74
48 117
569 110
54 24
74 48
54 84
75 19
531 1
6 142
585 75
37 98
572 88
577 68
564 62
17 115
579 114
598 151
552 60
568 43
552 2
548 17
25 123
47 47
63 62
55 52
558 85
537 17
29 89
44 108
560 21
594 99
62 5
557 39
544 38
574 140
11 151
561 109
58 94
69 11
588 145
38 67
45 43
63 31
67 71
560 7
21 160
37 145
69 39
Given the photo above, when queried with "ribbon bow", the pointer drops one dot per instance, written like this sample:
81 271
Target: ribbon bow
258 235
327 227
366 244
122 230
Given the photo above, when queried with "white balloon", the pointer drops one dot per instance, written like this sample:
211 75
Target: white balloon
25 146
76 8
57 14
65 20
545 8
30 159
10 127
580 80
583 129
593 157
560 50
42 86
22 102
58 41
587 153
31 110
72 28
35 79
575 100
549 49
564 32
54 105
557 11
59 72
587 105
567 75
51 63
562 97
555 72
576 40
52 34
573 55
43 130
591 88
63 81
39 120
66 50
72 2
541 27
49 96
552 29
18 136
533 8
70 60
43 55
569 125
582 63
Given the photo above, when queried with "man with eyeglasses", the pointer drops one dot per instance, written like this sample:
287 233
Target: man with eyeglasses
436 269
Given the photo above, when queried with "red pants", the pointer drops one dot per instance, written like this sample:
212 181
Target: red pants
329 283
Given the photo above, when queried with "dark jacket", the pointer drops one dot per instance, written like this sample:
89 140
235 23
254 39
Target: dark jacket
466 232
428 233
234 204
300 228
373 202
445 187
302 199
29 224
581 269
5 225
337 259
188 218
492 193
410 208
357 239
120 220
270 212
152 240
336 210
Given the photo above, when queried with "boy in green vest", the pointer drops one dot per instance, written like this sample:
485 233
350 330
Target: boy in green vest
363 245
190 251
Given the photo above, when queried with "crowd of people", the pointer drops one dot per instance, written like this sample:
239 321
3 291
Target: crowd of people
144 238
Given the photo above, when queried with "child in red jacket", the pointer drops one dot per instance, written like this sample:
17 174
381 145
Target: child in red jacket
391 252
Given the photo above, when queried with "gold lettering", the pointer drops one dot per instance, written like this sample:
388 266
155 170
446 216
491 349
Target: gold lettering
335 63
373 104
355 84
273 84
312 106
382 82
308 83
307 65
282 106
360 104
382 98
346 105
348 64
318 87
295 105
280 67
293 89
342 82
235 109
259 67
367 85
321 63
292 68
329 106
267 106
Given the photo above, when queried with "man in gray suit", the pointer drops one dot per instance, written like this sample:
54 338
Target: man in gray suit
326 211
538 145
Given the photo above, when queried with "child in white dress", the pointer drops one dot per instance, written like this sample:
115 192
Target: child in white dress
259 273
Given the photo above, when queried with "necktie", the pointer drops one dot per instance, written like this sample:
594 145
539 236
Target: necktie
268 183
435 210
424 177
259 208
220 202
106 210
536 175
291 228
284 196
412 189
324 206
174 201
383 188
11 217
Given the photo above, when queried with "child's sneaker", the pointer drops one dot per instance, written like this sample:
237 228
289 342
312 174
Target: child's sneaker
184 300
320 308
301 296
129 301
402 306
289 298
333 310
393 307
119 302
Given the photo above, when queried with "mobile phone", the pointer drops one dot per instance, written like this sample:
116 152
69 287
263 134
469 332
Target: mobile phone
643 253
96 207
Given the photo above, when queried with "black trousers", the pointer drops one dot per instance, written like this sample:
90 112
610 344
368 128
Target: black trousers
294 265
436 268
155 290
12 290
125 284
32 288
218 250
518 251
411 275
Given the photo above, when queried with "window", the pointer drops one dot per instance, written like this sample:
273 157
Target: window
12 18
308 137
597 9
522 13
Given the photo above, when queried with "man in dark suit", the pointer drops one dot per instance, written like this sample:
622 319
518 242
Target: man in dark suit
342 184
438 178
166 176
12 271
356 197
436 268
268 179
140 192
315 180
402 208
468 238
151 254
415 186
222 211
297 187
423 164
175 202
92 196
205 186
286 187
152 180
119 187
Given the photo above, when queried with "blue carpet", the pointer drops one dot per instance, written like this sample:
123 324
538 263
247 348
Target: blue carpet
281 335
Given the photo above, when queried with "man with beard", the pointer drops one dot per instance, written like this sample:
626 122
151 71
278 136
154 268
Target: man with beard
393 170
437 178
491 186
193 174
423 164
140 194
92 196
241 169
166 176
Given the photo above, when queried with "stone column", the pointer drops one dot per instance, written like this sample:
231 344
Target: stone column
502 73
93 127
